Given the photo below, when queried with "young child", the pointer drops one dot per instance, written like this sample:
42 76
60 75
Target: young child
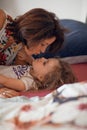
43 74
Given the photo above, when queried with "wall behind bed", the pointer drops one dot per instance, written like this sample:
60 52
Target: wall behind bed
73 9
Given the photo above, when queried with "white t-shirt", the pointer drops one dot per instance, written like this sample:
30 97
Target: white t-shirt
18 72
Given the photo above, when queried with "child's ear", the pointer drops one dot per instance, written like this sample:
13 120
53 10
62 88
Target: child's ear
40 77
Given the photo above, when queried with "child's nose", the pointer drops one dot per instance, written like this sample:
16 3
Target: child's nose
43 59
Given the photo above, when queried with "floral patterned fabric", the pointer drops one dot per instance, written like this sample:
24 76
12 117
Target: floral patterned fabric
7 55
62 109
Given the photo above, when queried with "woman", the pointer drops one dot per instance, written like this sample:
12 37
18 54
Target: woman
29 34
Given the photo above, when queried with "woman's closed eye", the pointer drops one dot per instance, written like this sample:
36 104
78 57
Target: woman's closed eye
42 44
45 62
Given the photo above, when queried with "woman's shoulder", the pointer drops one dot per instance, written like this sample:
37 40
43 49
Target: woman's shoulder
2 18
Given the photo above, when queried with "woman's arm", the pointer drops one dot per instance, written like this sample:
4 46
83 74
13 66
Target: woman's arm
2 18
12 83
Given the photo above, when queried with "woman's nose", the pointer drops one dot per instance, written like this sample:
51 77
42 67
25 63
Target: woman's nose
43 49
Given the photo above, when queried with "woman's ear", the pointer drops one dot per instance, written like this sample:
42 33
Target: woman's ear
29 51
26 50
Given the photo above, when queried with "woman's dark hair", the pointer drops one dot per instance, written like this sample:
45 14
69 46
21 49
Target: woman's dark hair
36 25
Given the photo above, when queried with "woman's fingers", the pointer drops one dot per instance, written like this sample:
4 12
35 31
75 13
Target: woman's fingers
8 93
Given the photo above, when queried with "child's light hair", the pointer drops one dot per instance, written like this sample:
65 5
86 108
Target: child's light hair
59 75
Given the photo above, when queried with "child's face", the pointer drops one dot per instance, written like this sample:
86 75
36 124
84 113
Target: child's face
40 47
42 66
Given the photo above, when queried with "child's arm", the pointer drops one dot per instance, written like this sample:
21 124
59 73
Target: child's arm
12 83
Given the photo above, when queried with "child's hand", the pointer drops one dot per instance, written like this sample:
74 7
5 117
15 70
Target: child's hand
22 55
20 58
8 93
23 58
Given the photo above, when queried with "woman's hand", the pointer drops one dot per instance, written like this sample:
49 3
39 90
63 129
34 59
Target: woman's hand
23 58
8 93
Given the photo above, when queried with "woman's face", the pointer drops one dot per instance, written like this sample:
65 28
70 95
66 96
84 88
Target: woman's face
41 47
42 66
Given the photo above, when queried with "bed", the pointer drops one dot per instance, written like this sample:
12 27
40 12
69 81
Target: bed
74 50
62 109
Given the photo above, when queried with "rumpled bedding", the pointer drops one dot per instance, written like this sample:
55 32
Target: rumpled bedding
62 109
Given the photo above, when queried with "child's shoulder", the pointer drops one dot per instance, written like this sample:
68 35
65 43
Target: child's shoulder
2 18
